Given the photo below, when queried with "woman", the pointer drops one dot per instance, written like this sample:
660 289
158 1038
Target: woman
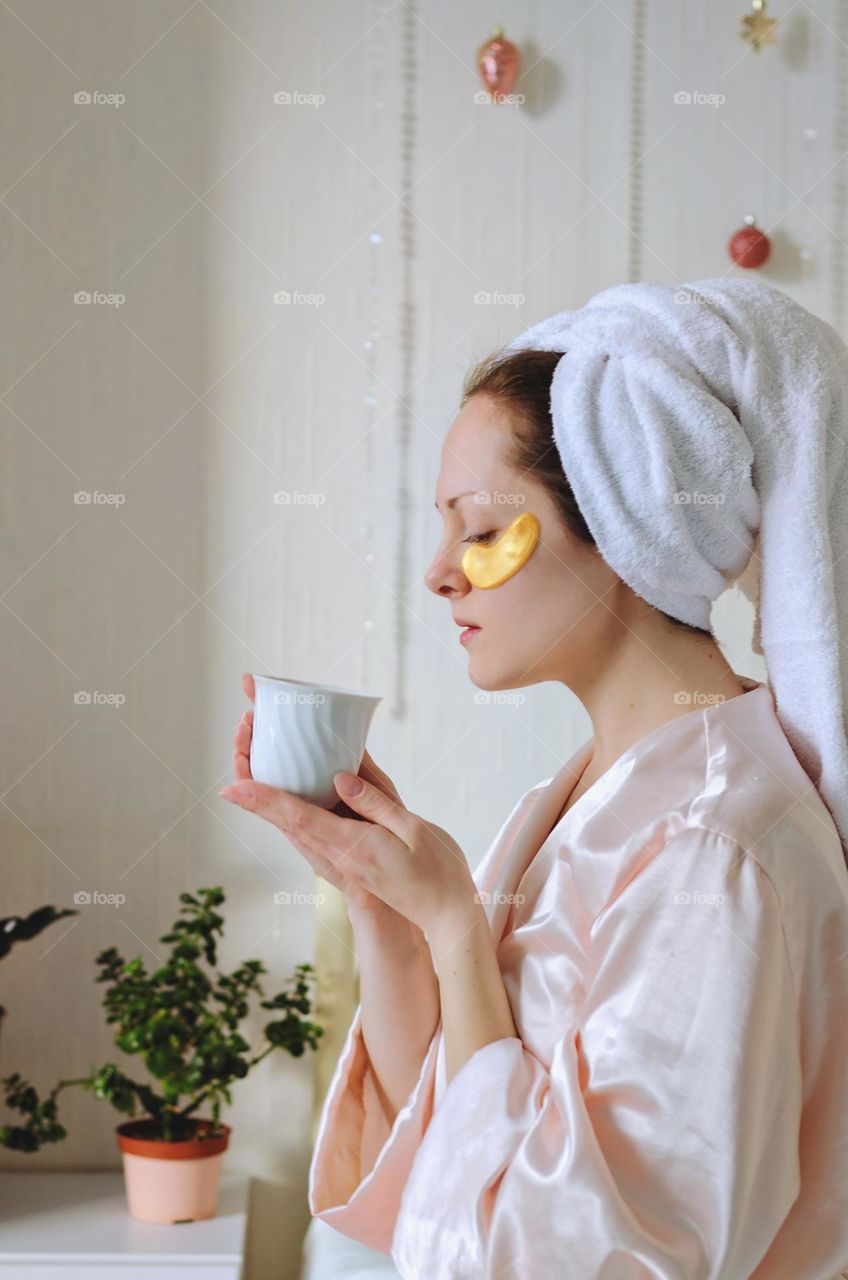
617 1049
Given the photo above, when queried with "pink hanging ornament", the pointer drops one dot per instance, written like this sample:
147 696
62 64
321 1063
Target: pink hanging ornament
498 61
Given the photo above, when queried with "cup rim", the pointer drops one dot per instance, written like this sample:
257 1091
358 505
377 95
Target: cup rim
314 684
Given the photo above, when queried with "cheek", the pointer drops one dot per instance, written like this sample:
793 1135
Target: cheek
522 610
490 567
551 590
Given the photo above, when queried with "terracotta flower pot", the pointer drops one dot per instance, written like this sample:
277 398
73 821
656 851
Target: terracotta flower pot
171 1181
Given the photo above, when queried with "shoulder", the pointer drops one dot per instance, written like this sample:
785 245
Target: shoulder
701 894
728 780
706 889
757 797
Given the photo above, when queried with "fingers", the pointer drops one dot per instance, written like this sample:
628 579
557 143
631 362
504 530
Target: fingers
244 732
241 768
344 811
382 808
241 747
249 685
290 815
375 775
325 839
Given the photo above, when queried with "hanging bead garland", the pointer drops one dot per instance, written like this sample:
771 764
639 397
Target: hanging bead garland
406 352
635 219
805 253
377 130
837 266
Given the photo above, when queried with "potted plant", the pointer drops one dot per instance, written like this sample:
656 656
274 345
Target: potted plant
182 1019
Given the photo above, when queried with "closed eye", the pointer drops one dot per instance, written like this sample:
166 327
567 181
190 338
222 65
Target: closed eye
479 537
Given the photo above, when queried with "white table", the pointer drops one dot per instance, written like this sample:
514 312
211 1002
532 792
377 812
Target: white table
72 1226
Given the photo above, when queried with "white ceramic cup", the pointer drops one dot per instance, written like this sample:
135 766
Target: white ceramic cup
303 733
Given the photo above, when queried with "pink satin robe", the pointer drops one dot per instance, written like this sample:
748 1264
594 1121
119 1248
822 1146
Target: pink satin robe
675 1106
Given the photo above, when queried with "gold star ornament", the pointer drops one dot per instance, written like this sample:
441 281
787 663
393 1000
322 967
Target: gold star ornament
758 29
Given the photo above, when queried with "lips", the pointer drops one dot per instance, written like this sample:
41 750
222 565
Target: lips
470 630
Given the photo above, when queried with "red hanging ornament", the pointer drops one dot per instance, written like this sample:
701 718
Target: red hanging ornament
749 247
498 61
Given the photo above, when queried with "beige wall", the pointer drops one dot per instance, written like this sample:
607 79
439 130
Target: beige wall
199 398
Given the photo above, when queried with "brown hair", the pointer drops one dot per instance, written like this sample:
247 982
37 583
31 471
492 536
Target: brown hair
521 384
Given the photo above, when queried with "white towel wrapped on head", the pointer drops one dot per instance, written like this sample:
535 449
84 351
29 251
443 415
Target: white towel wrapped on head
700 425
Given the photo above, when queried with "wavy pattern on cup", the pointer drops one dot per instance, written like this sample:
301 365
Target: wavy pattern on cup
303 733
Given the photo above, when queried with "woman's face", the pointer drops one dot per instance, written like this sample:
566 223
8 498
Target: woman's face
546 621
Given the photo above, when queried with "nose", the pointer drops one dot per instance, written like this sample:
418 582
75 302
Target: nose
445 576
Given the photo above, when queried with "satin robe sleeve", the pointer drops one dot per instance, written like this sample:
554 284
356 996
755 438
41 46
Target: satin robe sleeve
360 1163
661 1140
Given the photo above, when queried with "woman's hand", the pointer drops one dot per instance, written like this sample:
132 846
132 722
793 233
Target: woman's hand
413 866
359 900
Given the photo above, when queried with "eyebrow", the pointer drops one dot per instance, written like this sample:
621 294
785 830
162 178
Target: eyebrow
452 501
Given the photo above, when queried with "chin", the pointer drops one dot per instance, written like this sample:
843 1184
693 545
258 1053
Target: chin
493 679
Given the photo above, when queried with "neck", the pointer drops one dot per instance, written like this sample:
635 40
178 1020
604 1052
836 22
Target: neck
649 680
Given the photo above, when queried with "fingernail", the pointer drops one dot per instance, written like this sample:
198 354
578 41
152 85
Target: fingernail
235 793
348 784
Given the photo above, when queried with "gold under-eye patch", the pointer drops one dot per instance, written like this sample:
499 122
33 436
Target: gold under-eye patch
490 566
